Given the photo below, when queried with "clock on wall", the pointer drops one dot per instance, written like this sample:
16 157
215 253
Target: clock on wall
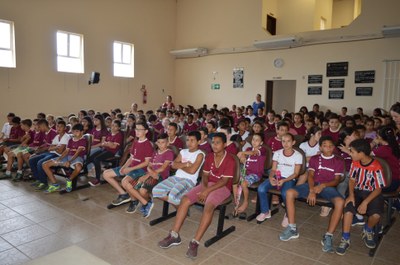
279 62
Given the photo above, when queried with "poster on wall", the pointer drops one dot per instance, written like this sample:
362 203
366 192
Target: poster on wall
336 83
336 94
238 77
315 79
363 91
361 77
314 90
337 69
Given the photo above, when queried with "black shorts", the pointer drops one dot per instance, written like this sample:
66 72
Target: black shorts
376 206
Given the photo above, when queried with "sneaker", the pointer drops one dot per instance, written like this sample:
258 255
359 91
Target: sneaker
94 182
132 207
5 176
343 247
170 241
325 211
368 238
36 183
327 244
263 216
52 188
147 209
41 187
18 177
68 185
285 221
357 221
192 250
288 234
121 199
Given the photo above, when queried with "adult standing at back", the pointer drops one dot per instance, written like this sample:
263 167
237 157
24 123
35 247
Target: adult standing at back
258 104
168 104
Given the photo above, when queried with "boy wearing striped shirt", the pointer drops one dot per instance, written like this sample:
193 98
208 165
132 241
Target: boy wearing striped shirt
365 197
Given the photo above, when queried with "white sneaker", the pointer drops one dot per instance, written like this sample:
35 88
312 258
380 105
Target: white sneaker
263 216
285 221
325 211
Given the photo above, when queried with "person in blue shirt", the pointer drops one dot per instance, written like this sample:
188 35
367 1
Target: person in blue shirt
258 104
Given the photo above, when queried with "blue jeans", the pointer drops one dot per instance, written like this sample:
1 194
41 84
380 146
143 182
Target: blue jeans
36 164
265 187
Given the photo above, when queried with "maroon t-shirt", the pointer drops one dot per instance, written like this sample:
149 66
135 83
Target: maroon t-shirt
275 144
159 159
385 152
205 147
177 142
140 151
114 138
16 132
38 139
31 134
325 168
49 136
255 163
73 146
226 168
98 135
334 135
187 128
301 130
231 148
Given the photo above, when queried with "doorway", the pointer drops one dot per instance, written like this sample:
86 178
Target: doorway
280 94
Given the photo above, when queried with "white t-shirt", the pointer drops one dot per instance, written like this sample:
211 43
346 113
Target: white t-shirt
189 157
6 130
286 164
309 150
57 141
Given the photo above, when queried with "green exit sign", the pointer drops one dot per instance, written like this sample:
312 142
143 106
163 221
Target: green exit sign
215 86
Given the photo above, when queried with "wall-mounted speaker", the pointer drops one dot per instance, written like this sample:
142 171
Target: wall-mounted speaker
94 78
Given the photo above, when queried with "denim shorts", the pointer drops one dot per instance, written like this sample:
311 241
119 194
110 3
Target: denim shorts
328 193
251 179
134 174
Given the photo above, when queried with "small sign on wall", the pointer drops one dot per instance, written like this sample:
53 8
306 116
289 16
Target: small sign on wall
364 77
364 91
336 83
315 90
215 86
315 79
336 94
238 77
337 69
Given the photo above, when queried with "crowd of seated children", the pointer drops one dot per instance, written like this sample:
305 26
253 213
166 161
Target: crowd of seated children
52 148
187 165
135 167
73 156
143 174
288 162
157 170
214 188
324 173
252 168
108 148
11 153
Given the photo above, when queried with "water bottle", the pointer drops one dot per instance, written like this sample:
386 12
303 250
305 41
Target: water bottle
278 177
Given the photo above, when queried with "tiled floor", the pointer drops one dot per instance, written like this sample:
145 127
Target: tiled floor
34 224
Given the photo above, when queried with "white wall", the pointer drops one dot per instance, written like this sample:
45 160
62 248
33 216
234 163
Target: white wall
323 8
194 76
35 85
343 13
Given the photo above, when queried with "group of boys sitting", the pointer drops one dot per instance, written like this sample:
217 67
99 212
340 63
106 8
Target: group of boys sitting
200 168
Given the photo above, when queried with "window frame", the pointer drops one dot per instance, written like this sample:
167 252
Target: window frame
121 62
68 55
12 63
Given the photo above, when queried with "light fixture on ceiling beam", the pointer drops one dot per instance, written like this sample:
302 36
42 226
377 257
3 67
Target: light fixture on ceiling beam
277 42
391 31
189 53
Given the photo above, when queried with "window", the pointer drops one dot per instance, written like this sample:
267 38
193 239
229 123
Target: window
123 59
69 52
7 44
